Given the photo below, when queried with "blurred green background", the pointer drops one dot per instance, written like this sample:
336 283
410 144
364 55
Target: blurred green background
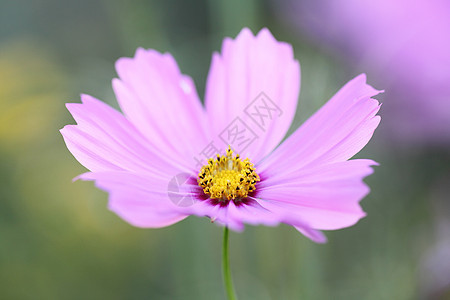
58 240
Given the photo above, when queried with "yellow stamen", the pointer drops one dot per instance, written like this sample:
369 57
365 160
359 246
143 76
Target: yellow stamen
227 177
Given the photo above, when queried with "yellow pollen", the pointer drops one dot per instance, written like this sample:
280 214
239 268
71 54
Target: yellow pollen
227 177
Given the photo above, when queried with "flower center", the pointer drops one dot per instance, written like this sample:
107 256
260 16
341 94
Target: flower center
228 177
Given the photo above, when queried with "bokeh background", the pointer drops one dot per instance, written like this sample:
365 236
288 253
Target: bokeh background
58 240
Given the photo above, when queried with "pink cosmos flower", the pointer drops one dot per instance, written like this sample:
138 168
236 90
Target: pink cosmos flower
227 153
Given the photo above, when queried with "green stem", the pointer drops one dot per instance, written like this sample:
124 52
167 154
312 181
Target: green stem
226 268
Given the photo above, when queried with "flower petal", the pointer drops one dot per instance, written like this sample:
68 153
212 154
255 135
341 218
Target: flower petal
257 80
141 200
254 212
235 216
325 197
339 130
162 103
315 235
104 140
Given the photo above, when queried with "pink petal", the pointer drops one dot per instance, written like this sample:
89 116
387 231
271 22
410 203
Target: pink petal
141 200
315 235
339 130
235 216
323 197
104 140
255 212
248 66
162 103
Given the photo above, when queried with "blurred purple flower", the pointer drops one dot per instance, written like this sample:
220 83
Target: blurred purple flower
145 156
405 44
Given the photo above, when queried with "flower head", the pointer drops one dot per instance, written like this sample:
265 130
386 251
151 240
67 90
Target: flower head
167 156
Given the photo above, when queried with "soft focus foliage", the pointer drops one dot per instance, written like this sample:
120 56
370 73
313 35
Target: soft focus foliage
58 240
32 86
